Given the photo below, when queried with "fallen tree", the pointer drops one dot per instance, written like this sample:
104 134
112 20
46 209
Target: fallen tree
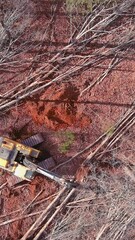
75 56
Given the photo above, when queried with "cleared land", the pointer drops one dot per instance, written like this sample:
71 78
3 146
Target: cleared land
70 74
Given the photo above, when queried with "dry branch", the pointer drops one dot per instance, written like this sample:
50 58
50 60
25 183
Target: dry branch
114 134
107 216
59 208
90 30
30 204
3 185
33 204
43 216
20 218
81 152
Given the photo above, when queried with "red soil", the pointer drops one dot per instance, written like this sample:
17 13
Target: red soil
19 198
61 107
59 110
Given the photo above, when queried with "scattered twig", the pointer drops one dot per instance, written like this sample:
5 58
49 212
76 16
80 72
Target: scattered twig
43 216
54 214
19 218
3 185
30 204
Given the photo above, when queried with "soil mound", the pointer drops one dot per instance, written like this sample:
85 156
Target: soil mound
58 111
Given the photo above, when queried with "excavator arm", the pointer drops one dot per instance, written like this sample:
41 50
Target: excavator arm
62 181
18 159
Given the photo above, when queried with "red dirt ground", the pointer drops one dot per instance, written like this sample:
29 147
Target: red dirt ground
97 111
17 198
57 110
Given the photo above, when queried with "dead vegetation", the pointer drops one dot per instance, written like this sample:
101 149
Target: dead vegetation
61 66
105 212
102 206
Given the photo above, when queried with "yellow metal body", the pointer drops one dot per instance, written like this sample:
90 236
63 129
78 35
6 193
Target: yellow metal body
18 159
17 169
12 148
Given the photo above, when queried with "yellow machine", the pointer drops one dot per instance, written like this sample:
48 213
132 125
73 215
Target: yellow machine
19 159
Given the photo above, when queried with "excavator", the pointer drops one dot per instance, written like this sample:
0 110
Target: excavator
25 161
